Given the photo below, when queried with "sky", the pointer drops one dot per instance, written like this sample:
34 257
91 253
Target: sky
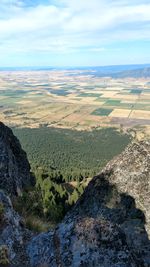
61 33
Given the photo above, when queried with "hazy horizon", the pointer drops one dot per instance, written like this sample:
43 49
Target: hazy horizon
130 66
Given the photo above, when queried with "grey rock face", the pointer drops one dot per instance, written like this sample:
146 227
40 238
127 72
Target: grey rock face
13 234
107 225
130 173
14 166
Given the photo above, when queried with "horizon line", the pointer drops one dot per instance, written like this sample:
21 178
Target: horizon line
75 66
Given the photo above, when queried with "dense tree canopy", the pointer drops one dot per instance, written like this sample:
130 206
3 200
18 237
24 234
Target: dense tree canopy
61 161
71 155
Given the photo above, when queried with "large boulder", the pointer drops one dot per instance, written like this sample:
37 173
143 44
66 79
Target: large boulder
130 173
14 166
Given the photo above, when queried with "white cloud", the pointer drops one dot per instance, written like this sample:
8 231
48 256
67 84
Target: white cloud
71 25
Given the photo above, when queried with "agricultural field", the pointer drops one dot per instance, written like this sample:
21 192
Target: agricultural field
72 99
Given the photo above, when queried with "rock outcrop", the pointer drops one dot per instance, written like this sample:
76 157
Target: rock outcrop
130 173
107 225
14 166
13 235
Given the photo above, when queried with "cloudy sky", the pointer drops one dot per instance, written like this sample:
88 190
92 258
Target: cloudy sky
74 32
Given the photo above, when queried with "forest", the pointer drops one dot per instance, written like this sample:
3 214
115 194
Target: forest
71 153
61 161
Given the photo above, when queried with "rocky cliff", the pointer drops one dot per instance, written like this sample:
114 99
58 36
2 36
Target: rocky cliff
14 166
108 226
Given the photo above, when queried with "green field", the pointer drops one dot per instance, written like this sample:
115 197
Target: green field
118 104
102 112
136 91
113 103
89 95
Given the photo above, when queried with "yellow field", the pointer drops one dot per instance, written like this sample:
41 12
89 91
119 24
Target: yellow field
141 114
121 113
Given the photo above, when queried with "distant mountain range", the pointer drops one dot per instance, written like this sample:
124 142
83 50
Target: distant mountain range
137 73
114 71
133 71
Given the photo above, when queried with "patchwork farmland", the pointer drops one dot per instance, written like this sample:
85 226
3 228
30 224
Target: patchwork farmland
72 99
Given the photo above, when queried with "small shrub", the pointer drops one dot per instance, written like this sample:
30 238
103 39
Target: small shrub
37 225
1 211
4 260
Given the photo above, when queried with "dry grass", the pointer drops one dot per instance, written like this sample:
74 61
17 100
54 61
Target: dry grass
140 114
121 113
38 225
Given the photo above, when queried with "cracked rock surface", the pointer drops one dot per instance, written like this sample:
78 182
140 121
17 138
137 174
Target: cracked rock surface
13 234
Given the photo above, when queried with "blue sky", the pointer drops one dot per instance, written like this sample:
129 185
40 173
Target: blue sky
74 32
